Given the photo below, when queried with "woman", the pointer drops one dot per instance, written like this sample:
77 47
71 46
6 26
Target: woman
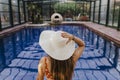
62 55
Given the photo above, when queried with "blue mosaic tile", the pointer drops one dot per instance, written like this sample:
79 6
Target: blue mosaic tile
24 38
18 43
8 49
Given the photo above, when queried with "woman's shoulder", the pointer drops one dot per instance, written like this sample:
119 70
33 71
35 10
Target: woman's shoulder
41 64
42 60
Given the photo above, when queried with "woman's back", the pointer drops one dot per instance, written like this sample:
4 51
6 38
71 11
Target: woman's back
57 70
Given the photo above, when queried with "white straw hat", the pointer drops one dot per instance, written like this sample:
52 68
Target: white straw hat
55 45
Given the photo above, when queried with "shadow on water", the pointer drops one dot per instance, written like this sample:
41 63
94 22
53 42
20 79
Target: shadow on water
92 58
102 67
28 58
23 68
98 67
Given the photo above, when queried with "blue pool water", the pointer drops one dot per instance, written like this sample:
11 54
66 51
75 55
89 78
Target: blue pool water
20 54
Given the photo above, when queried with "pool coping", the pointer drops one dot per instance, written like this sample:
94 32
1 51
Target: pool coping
11 30
108 33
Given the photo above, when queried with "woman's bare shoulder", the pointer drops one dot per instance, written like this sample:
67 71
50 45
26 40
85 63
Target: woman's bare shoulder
42 60
41 63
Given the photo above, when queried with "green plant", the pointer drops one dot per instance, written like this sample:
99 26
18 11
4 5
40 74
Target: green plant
63 7
35 13
74 8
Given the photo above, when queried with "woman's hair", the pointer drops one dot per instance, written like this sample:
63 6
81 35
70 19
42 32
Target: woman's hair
62 70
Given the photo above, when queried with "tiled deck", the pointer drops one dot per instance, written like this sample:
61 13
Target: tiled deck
91 66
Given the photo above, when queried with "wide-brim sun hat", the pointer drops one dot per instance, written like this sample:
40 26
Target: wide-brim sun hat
55 45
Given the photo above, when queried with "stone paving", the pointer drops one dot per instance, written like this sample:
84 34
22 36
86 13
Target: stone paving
91 66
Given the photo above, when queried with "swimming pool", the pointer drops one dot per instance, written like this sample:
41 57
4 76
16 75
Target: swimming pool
102 56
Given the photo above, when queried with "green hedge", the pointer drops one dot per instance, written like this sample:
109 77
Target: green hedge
64 7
